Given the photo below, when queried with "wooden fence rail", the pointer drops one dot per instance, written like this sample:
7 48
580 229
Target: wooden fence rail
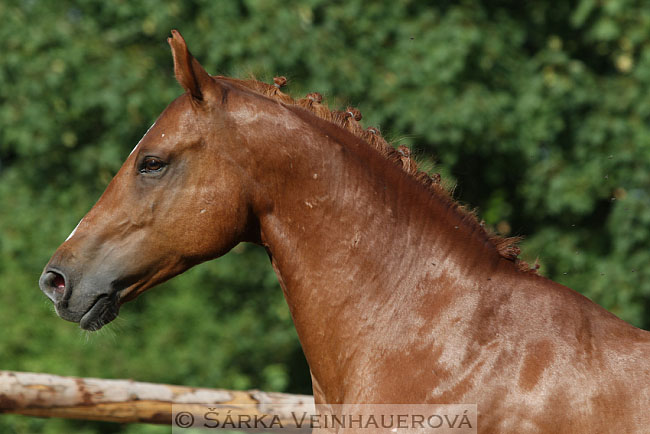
128 401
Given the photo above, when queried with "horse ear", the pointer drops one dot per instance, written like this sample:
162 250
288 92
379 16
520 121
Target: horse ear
189 72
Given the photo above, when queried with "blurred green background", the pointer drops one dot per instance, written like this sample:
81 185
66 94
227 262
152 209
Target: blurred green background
539 111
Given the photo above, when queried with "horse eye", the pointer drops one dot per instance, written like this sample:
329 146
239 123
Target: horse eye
151 164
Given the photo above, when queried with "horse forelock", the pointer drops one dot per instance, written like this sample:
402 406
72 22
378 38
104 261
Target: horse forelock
507 247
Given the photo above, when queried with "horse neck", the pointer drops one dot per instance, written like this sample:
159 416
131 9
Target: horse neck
356 243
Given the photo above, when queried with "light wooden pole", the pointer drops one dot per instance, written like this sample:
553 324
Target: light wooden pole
128 401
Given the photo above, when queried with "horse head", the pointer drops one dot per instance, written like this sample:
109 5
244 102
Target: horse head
179 199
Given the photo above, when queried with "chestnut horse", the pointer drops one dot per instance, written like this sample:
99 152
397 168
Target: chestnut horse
398 295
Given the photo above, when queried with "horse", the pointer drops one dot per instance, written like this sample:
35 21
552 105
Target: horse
398 294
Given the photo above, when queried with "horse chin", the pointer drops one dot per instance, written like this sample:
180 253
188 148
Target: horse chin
104 310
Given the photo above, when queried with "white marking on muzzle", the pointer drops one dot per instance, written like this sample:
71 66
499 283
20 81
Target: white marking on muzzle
74 230
132 151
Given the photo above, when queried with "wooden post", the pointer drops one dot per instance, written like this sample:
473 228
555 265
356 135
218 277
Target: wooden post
128 401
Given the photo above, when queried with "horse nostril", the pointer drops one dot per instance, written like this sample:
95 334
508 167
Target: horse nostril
53 285
58 283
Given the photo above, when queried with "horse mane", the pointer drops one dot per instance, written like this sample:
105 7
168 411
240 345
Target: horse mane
349 119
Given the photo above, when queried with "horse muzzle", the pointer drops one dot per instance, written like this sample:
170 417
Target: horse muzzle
77 300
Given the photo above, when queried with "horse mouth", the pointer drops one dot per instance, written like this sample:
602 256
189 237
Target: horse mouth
103 311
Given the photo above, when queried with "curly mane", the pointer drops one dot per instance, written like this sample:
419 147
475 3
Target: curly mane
401 156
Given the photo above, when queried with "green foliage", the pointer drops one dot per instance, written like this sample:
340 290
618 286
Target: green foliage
540 111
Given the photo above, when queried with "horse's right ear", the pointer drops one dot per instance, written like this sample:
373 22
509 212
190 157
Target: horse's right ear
189 72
